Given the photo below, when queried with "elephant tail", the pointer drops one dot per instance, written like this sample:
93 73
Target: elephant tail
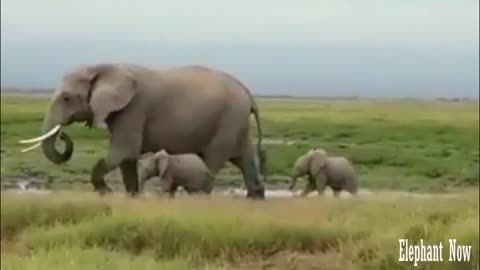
262 156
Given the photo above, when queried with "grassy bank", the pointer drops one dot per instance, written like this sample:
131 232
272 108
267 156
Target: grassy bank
402 144
84 231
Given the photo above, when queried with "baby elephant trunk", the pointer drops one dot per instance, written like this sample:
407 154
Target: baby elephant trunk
352 187
208 183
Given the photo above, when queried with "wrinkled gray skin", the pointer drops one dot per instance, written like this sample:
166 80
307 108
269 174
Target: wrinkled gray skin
191 109
323 171
184 170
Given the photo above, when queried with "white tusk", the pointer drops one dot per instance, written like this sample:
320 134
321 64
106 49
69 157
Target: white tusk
43 137
31 147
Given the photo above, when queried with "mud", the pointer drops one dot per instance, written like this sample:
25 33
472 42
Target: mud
35 186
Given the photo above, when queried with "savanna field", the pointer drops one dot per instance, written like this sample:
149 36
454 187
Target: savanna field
396 145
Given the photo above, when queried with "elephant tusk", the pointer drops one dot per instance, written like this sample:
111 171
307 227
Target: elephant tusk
42 137
31 147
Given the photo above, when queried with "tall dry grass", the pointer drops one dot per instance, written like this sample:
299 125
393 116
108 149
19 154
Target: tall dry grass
205 232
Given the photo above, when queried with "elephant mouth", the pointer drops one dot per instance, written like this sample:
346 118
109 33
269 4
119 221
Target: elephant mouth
38 140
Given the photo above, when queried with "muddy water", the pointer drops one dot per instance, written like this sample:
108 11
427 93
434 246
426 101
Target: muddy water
37 186
271 193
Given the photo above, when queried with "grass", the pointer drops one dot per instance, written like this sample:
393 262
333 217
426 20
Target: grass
94 258
394 144
114 232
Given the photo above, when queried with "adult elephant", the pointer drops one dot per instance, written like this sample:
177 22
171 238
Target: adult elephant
189 109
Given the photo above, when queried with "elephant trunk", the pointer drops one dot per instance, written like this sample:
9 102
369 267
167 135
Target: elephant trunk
48 144
293 182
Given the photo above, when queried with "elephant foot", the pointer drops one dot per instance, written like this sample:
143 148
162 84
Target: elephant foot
133 193
103 190
256 194
353 193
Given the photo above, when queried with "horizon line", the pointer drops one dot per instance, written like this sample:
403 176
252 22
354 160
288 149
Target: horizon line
34 91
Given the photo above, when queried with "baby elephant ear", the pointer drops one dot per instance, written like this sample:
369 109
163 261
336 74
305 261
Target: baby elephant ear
317 161
161 160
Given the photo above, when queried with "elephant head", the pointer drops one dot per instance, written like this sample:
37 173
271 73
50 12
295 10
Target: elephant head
153 165
86 94
161 162
317 161
310 163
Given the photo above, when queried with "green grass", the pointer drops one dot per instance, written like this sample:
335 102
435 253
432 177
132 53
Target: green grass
115 232
91 259
399 144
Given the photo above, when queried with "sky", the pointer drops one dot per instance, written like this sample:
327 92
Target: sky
369 48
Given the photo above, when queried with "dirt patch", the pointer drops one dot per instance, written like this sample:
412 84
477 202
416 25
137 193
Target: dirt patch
280 142
152 188
269 193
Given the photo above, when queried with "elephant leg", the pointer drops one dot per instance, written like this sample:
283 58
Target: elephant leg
252 181
250 170
125 147
320 183
169 184
101 168
106 165
129 172
141 184
207 187
172 190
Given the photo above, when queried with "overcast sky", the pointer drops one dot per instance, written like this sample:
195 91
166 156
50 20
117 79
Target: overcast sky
307 47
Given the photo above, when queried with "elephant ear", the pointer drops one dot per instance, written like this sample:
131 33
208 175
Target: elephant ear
162 160
317 161
112 88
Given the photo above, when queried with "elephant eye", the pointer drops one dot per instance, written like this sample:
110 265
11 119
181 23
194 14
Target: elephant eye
66 98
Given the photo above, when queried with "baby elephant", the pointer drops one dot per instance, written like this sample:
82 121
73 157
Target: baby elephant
185 170
322 171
